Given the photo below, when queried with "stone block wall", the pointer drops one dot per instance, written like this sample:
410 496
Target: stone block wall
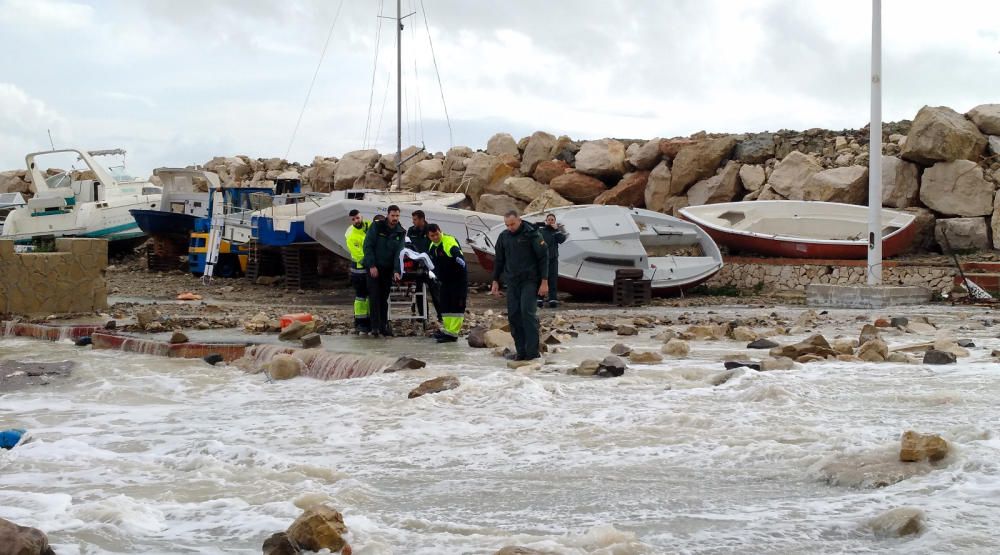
68 280
777 274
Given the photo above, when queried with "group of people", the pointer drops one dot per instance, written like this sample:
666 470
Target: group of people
527 260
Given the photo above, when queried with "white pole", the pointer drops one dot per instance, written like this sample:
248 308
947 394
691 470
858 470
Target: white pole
399 97
875 153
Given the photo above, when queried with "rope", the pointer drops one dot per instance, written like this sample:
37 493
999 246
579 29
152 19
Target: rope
416 79
322 55
371 95
385 97
451 140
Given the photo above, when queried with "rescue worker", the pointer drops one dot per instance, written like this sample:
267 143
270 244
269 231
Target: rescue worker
449 267
554 235
417 235
383 242
355 238
522 263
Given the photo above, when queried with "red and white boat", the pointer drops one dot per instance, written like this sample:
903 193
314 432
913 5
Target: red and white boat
673 254
801 229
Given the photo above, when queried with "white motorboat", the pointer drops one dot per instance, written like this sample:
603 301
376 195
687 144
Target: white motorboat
801 228
328 224
86 202
673 254
10 202
184 200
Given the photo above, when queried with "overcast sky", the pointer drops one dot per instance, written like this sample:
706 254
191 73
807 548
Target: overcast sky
178 81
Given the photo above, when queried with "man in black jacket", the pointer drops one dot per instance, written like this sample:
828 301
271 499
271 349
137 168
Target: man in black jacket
449 267
554 236
420 241
383 242
522 263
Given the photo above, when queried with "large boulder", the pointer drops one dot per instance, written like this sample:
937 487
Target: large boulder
752 176
541 146
916 447
755 149
420 172
23 540
994 144
285 367
434 385
722 187
646 156
940 134
962 234
319 527
523 188
658 187
900 184
848 185
14 182
498 338
499 204
923 236
548 200
995 221
604 159
412 155
548 170
791 173
987 118
630 191
577 187
698 161
670 147
502 143
353 167
957 189
320 175
483 171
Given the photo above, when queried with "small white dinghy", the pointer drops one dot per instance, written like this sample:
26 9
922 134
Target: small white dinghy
800 228
673 254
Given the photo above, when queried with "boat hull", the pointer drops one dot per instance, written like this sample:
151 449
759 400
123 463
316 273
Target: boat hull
803 248
161 223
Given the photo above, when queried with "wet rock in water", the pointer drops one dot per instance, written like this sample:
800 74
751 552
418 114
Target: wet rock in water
644 357
734 364
213 358
899 322
154 327
921 328
882 323
147 316
873 350
518 550
995 353
111 325
588 367
178 337
312 341
284 367
966 343
715 331
813 345
498 338
434 385
807 358
550 339
525 365
258 324
844 346
849 358
676 348
899 358
279 544
405 363
899 522
762 344
934 356
611 366
868 332
319 527
950 346
723 377
477 337
776 363
915 447
297 330
84 341
620 349
23 540
626 330
743 333
665 335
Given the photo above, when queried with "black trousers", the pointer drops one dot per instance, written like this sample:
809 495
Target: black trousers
553 279
378 291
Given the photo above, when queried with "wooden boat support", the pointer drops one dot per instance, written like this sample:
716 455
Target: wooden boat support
301 265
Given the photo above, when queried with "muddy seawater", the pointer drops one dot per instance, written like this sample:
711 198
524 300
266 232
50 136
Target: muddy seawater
140 454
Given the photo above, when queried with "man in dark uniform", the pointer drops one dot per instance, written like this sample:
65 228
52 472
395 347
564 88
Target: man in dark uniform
522 263
384 240
449 267
420 242
554 235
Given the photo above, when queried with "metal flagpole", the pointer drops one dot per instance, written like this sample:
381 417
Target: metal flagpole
399 96
875 153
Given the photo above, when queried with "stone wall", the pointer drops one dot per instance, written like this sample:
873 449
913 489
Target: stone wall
66 281
778 274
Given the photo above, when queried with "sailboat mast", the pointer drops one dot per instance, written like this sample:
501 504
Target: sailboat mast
399 95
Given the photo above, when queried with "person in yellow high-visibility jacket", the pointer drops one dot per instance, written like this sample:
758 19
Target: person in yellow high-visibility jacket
449 267
355 237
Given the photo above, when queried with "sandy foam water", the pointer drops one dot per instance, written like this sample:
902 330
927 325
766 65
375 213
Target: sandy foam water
141 454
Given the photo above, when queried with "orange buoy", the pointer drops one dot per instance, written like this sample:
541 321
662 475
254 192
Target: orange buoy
298 316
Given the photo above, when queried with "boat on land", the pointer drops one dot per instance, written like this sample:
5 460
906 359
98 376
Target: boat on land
10 202
672 254
801 229
328 223
89 202
185 199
